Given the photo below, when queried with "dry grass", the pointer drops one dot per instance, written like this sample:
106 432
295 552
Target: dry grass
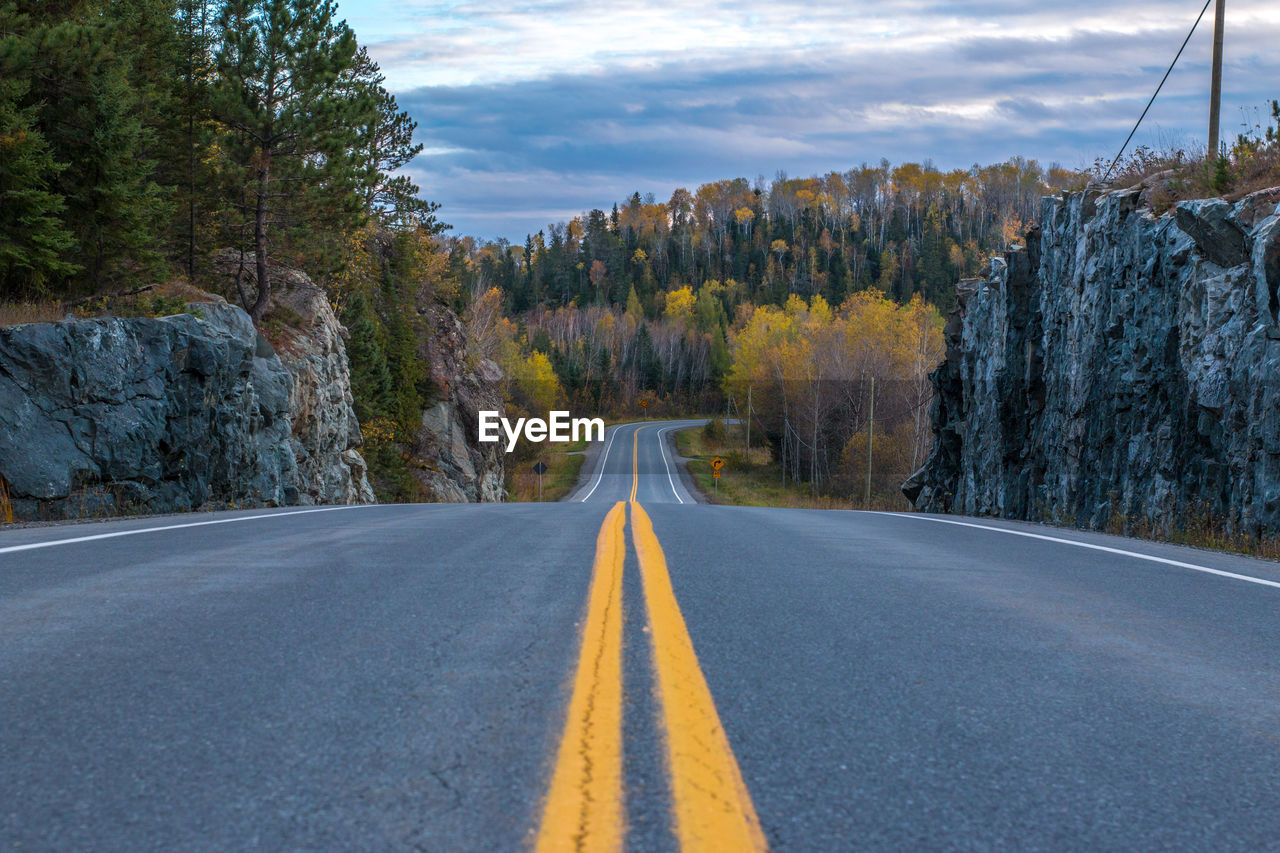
17 313
564 463
282 327
161 300
1200 528
1252 163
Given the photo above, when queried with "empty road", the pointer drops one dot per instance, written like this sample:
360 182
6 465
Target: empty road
630 669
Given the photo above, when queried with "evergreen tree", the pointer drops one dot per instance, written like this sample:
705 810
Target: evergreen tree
371 385
33 241
189 130
82 65
386 144
291 122
936 277
648 366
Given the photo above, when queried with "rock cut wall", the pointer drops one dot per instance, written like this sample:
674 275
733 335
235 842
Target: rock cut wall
109 416
449 460
1121 363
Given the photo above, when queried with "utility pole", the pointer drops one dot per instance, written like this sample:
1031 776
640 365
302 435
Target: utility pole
871 425
1215 89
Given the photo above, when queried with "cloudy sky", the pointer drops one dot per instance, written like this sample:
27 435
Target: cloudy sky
533 111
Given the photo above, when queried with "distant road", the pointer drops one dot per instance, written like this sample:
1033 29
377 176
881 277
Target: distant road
632 669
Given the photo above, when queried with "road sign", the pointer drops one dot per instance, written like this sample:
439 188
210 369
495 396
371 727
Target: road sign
716 473
716 465
541 468
644 404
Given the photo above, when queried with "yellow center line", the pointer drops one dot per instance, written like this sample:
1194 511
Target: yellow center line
710 801
584 808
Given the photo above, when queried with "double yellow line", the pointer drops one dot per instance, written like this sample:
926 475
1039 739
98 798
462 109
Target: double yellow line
710 804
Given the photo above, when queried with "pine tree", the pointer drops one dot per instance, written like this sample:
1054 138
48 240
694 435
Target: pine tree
33 241
936 278
291 122
648 366
188 131
370 376
83 64
386 144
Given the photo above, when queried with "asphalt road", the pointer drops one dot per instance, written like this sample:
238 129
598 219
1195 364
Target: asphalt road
437 677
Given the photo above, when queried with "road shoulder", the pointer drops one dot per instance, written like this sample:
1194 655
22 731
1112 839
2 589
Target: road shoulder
681 464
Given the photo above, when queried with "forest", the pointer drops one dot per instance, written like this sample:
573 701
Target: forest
163 143
801 292
152 146
907 229
178 143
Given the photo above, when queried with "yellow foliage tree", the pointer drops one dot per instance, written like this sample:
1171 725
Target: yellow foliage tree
810 370
680 304
532 384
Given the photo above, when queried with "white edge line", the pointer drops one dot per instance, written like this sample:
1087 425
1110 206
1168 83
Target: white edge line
662 448
1166 561
604 458
36 545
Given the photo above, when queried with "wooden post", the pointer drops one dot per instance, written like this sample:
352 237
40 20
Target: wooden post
1215 89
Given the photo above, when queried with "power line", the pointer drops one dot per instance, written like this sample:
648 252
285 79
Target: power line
1129 138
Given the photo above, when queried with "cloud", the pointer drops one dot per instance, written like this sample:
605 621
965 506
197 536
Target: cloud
535 112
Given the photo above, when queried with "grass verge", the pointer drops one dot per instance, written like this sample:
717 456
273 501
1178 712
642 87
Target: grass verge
564 463
1200 528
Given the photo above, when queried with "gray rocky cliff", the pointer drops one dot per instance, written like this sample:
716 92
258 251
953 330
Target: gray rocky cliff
110 416
1121 365
325 431
448 459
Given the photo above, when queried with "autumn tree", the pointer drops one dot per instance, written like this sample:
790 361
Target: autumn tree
811 370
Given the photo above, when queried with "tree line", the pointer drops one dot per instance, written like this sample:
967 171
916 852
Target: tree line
796 294
139 137
213 141
906 230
